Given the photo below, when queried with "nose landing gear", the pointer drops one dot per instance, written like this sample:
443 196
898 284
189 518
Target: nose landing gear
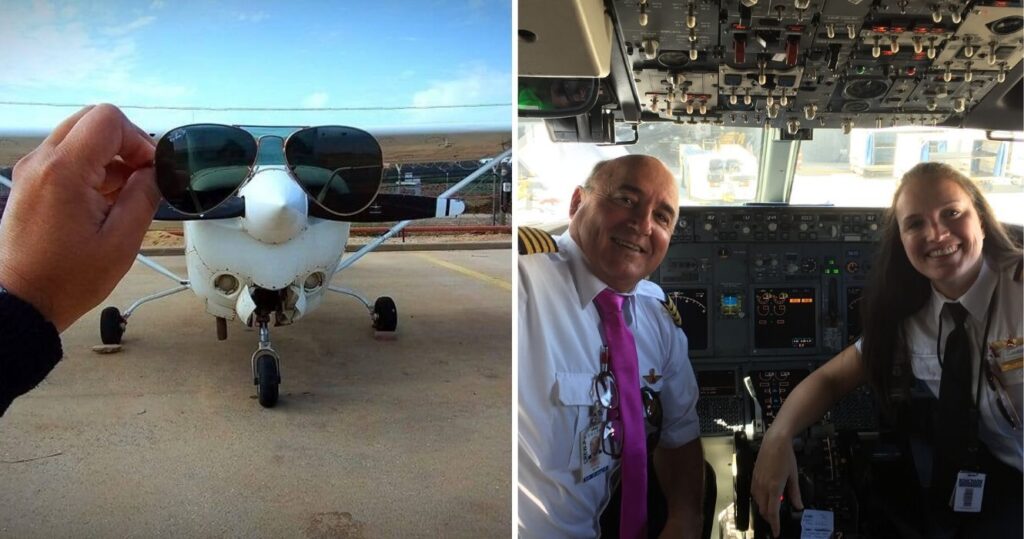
266 367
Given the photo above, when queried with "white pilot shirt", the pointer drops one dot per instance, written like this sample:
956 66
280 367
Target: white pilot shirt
559 356
922 330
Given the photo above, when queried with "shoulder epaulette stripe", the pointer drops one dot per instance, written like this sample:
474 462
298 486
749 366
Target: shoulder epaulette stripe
670 306
533 241
1017 272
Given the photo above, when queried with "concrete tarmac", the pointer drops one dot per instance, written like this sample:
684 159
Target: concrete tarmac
403 438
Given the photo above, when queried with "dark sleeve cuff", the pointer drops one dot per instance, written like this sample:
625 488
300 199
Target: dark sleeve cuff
29 348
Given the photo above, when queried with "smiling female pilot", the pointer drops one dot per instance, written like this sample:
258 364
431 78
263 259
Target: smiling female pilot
946 285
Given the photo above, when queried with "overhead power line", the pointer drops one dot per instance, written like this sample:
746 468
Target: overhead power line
262 109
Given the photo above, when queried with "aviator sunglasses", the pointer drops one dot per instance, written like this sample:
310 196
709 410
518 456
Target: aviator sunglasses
607 392
200 166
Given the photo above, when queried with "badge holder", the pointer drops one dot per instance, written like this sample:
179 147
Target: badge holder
591 463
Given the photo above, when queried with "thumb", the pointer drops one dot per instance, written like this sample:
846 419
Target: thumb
133 210
793 490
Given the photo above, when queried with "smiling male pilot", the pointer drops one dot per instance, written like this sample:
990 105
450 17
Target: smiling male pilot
604 375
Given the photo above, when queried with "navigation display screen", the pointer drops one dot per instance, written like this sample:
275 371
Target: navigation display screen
692 304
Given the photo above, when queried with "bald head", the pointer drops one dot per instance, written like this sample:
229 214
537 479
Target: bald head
627 164
622 218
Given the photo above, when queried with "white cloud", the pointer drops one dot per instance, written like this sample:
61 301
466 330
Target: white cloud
315 100
55 53
474 85
157 4
130 27
253 17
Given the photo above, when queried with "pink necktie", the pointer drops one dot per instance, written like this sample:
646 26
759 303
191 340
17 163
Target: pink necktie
623 364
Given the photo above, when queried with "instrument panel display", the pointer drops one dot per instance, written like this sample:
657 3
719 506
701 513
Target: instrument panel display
784 318
692 304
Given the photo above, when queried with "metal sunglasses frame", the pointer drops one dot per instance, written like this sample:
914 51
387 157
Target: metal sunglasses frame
605 383
288 166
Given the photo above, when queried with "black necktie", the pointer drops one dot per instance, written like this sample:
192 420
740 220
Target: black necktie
954 409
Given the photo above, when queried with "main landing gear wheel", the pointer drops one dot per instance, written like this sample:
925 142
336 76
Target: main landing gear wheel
112 325
268 378
385 314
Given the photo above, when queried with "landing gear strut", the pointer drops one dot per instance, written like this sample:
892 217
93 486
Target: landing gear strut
383 312
266 366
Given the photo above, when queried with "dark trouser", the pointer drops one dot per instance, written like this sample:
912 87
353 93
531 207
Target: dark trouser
657 511
895 505
1002 507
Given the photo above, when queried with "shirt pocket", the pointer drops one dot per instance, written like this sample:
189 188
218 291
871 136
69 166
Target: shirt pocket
574 392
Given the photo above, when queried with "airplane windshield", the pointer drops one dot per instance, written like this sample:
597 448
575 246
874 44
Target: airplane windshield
271 151
271 139
863 168
715 165
722 166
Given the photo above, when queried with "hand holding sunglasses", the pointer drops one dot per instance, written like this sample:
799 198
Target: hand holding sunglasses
80 205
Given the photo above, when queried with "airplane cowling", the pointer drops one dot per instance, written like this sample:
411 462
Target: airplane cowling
276 208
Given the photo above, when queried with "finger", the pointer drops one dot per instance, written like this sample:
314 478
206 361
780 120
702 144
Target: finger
57 135
773 515
118 173
768 504
133 211
105 132
793 490
145 135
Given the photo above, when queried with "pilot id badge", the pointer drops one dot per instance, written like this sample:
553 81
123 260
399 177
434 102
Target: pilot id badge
591 463
970 487
1005 362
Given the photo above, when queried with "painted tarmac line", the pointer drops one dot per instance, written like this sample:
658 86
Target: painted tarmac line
505 285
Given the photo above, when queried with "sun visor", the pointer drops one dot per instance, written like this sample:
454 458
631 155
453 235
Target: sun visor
568 38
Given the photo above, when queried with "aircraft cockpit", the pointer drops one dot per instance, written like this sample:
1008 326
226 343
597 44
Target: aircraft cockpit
788 125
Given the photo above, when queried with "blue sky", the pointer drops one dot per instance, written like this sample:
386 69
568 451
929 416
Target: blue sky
217 54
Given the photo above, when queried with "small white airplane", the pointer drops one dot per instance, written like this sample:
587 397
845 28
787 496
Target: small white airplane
266 213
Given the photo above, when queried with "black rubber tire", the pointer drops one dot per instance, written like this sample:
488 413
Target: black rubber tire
267 380
112 326
385 314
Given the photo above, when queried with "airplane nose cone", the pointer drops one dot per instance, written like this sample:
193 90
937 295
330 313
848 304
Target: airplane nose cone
275 207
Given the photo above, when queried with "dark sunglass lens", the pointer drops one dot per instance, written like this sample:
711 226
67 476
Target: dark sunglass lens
611 438
200 166
604 387
652 406
341 168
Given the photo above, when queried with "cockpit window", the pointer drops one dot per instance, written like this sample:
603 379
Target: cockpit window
863 168
714 165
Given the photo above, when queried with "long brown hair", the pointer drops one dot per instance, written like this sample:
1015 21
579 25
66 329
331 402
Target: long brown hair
895 290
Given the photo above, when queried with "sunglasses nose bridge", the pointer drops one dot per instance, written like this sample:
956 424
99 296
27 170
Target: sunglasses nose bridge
276 208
